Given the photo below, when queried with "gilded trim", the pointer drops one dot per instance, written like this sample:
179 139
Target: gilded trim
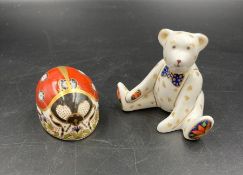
67 91
64 72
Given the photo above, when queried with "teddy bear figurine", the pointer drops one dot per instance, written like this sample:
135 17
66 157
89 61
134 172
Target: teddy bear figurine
175 85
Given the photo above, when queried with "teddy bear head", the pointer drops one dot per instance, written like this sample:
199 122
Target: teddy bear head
181 49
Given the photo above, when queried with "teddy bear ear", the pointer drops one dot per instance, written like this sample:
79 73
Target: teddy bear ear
202 41
163 36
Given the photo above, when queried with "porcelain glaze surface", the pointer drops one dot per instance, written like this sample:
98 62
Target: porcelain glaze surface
67 103
175 85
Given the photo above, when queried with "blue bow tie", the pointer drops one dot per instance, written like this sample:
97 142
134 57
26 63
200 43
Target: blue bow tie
175 78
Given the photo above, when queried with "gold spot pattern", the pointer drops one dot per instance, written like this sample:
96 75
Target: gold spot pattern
169 125
189 88
187 98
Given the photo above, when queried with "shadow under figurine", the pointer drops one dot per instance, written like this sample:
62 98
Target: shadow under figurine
175 85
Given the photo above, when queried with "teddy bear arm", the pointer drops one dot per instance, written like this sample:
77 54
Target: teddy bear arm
147 84
189 93
184 104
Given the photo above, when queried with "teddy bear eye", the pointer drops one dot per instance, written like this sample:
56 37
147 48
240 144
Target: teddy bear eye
173 46
188 48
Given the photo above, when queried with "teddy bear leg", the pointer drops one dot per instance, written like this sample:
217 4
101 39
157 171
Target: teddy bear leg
195 124
146 101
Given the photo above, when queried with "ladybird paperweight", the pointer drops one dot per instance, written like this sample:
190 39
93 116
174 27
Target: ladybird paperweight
174 85
67 103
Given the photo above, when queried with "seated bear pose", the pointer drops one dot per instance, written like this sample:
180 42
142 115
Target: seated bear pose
175 85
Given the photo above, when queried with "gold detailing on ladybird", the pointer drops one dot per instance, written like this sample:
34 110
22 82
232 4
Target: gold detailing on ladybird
68 132
66 83
67 91
61 120
64 72
63 84
78 133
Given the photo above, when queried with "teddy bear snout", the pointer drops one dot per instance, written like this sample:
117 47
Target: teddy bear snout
178 61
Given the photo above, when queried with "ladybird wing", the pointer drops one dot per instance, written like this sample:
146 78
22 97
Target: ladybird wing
83 108
63 111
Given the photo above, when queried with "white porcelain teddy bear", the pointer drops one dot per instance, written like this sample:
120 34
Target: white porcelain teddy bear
175 85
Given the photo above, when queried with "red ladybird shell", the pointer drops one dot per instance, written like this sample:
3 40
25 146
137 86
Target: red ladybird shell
67 103
49 85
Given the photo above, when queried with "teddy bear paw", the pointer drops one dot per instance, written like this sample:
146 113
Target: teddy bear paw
199 128
121 95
